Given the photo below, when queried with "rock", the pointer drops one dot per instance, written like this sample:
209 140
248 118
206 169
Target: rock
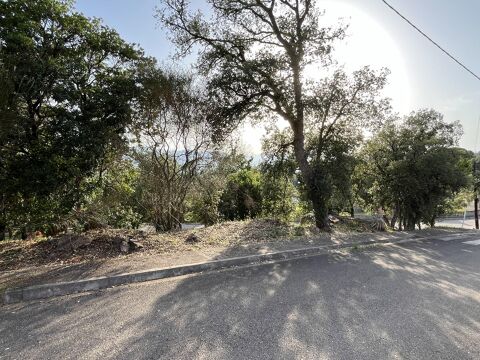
147 229
134 244
125 247
130 244
192 239
333 219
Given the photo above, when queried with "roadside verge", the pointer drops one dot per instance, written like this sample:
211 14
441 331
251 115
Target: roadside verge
65 288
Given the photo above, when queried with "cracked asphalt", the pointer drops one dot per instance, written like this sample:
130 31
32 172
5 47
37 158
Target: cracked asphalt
417 300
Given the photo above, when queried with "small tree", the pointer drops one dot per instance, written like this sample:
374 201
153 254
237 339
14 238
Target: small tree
205 196
173 144
242 197
110 198
278 176
412 168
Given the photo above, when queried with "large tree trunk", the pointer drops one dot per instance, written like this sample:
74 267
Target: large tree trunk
313 181
319 203
23 233
3 227
410 223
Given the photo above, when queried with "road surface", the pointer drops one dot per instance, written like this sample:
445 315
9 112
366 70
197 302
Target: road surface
468 223
412 301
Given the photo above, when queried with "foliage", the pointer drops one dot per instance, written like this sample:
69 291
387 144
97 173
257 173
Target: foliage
242 197
279 194
173 145
69 84
204 196
112 199
412 168
254 54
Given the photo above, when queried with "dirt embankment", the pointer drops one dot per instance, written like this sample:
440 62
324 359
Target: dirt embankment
106 243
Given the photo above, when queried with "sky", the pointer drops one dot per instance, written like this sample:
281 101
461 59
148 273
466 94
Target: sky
421 75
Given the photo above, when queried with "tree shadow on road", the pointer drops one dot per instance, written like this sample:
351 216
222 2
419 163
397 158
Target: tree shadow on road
335 306
391 302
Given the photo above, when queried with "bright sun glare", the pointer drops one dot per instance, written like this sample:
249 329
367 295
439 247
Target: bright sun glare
367 43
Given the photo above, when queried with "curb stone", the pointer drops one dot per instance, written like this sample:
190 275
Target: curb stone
44 291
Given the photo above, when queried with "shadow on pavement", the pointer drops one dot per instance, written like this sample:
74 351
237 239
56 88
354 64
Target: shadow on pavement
413 301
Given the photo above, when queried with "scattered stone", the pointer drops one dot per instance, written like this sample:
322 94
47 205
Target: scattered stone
134 244
192 239
313 230
130 244
333 219
125 247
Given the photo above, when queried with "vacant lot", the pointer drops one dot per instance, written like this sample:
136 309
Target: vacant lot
98 252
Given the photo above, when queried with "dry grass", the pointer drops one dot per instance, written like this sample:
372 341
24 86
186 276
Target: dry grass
105 243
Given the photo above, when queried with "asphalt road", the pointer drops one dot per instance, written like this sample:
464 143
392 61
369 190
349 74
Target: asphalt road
414 301
468 223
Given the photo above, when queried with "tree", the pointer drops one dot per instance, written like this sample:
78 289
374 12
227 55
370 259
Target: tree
173 145
111 198
205 195
69 84
254 54
278 175
242 197
413 169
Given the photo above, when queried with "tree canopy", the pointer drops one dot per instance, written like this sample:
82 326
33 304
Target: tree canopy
411 168
254 55
69 83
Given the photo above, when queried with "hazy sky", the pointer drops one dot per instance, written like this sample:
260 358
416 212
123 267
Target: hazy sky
422 76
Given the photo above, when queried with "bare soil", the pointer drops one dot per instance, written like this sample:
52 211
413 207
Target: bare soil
97 253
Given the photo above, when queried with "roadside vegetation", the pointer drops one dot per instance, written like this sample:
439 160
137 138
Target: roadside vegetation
98 140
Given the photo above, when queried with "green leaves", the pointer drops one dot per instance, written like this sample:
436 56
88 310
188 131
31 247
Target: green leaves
242 197
411 168
71 82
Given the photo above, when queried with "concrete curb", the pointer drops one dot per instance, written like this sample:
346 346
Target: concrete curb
15 295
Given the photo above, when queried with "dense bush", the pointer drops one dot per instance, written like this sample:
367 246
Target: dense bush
242 197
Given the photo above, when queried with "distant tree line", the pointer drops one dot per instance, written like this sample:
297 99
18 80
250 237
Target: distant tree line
94 133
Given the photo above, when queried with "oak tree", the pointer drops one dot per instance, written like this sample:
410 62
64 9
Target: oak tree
254 54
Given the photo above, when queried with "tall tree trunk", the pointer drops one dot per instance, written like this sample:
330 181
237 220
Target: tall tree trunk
313 179
393 221
315 191
23 233
3 227
410 223
320 209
